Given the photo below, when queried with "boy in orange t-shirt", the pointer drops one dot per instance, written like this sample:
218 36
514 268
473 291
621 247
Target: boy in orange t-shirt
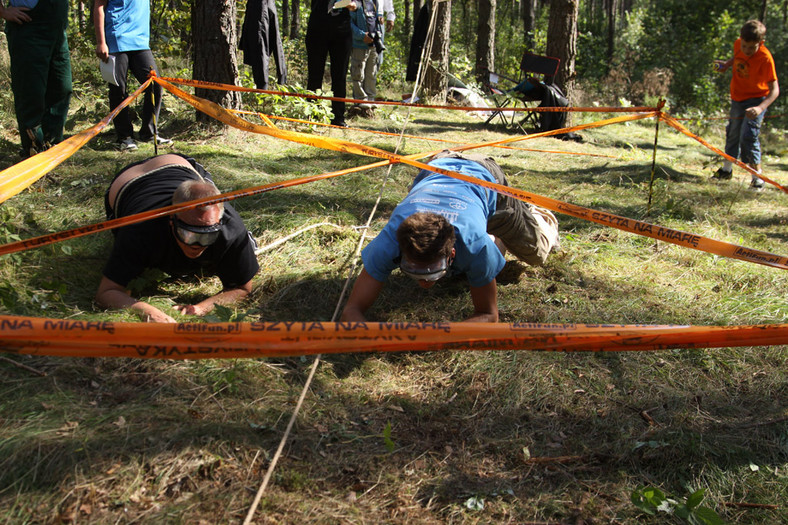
754 87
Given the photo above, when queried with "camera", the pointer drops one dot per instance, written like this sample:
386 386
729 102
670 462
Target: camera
377 42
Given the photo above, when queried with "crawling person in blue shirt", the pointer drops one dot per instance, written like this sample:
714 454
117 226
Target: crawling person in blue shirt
446 225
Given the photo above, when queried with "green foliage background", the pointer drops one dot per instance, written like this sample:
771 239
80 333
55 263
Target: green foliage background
670 36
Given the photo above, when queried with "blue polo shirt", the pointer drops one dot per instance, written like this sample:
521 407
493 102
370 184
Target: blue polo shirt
465 205
127 25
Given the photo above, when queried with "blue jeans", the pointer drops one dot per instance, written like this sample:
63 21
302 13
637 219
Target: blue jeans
741 133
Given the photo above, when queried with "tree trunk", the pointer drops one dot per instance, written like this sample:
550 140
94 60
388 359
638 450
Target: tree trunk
611 31
764 5
285 16
485 43
562 41
295 20
215 46
435 79
407 18
81 15
529 23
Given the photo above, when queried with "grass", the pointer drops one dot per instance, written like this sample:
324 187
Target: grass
479 437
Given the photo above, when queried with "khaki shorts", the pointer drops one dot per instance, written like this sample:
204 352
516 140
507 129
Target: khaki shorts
528 231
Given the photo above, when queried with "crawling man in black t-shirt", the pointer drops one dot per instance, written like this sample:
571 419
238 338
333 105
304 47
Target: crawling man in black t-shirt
206 240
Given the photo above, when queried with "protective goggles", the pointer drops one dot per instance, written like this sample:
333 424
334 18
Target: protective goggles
430 272
192 235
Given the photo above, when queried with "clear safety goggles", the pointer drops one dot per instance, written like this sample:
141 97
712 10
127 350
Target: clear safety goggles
430 272
192 235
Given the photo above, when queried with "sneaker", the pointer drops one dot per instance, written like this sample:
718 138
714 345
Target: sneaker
161 141
757 185
722 174
339 123
127 144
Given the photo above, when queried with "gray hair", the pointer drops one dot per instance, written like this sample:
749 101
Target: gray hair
190 190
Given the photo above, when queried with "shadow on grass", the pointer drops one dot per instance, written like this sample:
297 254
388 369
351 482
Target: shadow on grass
622 424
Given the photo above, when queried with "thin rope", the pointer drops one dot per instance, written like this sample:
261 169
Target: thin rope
316 362
286 238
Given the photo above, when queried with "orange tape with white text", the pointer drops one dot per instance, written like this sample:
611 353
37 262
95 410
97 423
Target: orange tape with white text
23 174
71 338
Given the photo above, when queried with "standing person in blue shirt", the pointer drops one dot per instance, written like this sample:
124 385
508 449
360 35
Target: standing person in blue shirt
446 225
40 70
123 31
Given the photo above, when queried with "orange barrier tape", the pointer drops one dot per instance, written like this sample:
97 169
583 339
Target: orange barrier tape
675 124
670 235
23 174
266 118
43 240
227 87
51 238
70 338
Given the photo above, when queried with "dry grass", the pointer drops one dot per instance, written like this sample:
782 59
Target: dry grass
549 438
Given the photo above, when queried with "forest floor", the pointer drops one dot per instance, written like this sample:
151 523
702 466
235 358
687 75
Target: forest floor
411 437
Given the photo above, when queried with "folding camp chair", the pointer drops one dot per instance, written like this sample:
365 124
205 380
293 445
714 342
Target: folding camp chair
501 100
535 72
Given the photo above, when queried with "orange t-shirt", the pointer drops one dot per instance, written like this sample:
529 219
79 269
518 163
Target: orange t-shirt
751 75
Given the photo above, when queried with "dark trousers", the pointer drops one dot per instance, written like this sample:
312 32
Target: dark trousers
326 42
40 74
140 63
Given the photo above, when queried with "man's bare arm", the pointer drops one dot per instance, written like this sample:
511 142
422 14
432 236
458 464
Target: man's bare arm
365 292
227 296
485 303
99 11
112 295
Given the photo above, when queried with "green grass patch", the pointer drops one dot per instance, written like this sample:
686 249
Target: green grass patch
449 437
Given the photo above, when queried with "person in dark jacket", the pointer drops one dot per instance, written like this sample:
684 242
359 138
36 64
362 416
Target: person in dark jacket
328 35
260 39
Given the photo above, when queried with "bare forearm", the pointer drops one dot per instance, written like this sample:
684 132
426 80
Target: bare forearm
119 300
774 92
365 291
352 315
230 296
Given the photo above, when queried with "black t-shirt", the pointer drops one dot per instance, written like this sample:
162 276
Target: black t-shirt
323 18
152 244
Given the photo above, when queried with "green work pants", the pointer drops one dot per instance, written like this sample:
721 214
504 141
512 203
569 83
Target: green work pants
40 74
